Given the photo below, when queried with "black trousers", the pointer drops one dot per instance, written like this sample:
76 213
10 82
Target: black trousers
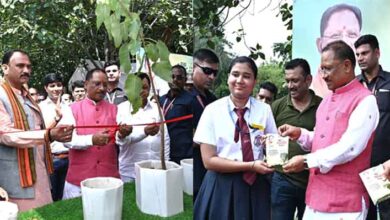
384 210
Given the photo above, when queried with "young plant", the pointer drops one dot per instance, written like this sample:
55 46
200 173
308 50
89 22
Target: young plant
124 27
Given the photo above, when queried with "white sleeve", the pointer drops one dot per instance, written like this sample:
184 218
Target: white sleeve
361 126
78 141
306 139
124 116
205 132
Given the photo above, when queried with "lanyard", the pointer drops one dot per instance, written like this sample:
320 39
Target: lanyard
167 108
373 91
111 100
200 101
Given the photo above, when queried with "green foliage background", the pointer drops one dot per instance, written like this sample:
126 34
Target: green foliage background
58 34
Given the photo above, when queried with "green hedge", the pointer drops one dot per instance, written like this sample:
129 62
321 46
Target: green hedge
72 209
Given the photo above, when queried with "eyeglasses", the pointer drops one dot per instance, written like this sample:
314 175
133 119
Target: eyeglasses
207 70
178 77
328 70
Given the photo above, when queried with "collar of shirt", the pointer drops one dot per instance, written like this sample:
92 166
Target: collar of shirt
362 76
148 105
313 102
114 90
22 92
231 108
345 88
208 98
90 101
48 101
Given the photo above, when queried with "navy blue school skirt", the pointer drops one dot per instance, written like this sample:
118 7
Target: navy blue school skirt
227 196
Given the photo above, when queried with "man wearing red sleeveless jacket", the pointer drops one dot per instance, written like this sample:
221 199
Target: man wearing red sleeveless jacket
341 142
92 150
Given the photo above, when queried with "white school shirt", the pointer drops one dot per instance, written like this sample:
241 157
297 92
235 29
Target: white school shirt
140 148
218 122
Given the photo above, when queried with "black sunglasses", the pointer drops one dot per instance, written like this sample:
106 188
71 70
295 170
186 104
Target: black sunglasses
207 70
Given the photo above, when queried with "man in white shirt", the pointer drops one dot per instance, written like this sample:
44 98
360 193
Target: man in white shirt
341 142
147 146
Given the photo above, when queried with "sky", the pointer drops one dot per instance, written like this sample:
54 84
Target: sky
260 24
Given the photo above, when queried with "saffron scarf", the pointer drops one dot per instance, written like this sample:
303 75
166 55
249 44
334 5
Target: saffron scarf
26 163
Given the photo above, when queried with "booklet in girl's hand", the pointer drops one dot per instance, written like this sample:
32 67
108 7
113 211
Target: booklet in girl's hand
276 149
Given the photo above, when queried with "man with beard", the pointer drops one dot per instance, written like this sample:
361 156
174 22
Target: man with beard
374 78
25 156
51 111
298 108
115 95
92 150
176 103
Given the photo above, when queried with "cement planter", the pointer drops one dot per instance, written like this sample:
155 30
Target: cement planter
188 175
159 192
8 211
102 198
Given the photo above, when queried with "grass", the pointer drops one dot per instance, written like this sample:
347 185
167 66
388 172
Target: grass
72 209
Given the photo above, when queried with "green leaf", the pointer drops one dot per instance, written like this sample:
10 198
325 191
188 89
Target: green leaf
133 86
254 56
262 55
162 69
152 52
197 4
163 51
114 5
116 31
124 58
210 44
134 26
134 46
124 7
125 29
107 24
100 15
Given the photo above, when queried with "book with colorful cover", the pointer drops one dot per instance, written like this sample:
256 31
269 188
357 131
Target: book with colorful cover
276 149
378 187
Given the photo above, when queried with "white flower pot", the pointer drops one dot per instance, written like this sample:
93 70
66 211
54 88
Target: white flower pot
188 174
102 198
8 211
159 192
